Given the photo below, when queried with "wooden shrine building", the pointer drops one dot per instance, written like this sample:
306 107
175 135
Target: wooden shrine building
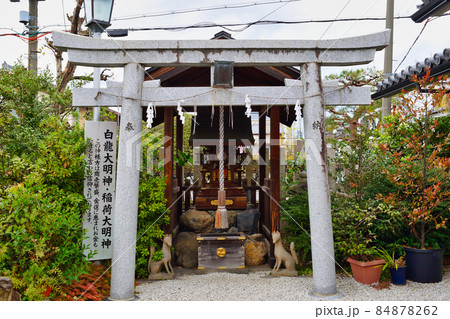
238 130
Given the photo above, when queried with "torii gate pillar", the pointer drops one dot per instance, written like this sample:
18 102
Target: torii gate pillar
322 246
127 186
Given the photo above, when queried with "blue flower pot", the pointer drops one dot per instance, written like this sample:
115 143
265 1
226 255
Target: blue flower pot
398 275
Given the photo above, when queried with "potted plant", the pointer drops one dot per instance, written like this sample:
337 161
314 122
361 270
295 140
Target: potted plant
396 266
353 232
366 272
421 173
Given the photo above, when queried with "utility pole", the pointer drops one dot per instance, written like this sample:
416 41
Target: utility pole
32 29
387 101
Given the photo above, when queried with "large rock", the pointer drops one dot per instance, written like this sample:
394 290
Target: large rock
255 252
7 292
197 221
232 216
185 245
247 221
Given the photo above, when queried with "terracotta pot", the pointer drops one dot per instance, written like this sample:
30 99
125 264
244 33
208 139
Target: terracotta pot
366 272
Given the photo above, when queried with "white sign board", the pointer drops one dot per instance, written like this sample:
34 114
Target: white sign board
99 187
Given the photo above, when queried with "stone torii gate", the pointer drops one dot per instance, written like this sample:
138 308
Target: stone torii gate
134 55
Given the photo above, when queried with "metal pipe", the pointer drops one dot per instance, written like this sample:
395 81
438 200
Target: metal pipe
386 102
97 109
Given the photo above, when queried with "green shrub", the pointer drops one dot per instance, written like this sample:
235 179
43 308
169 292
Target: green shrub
41 186
293 167
357 232
295 213
152 215
352 230
41 217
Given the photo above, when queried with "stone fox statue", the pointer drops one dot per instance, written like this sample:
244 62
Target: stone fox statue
155 266
282 256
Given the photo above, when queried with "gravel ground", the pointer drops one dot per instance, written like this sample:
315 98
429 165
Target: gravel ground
259 286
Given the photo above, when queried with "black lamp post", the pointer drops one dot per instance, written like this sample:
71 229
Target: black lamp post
98 14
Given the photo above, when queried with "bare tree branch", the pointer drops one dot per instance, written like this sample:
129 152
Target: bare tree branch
75 28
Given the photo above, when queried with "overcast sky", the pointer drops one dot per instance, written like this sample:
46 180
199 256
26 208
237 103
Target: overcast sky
52 14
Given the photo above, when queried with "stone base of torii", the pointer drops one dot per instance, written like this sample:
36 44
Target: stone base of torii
134 56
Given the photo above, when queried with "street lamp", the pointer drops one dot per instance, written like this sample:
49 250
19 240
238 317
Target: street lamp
98 14
97 17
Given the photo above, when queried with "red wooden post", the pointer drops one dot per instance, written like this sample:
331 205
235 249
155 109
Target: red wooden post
253 192
262 157
168 162
275 166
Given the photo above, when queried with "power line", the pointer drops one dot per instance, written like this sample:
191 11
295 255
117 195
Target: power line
326 30
211 8
265 16
409 50
24 38
227 26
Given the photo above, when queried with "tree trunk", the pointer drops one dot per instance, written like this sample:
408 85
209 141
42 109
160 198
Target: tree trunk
66 76
360 173
424 174
422 236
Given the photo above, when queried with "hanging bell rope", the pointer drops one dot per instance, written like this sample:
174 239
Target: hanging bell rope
221 147
221 221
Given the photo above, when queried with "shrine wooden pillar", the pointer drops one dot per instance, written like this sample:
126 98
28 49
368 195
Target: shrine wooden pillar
168 163
179 169
275 166
262 155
